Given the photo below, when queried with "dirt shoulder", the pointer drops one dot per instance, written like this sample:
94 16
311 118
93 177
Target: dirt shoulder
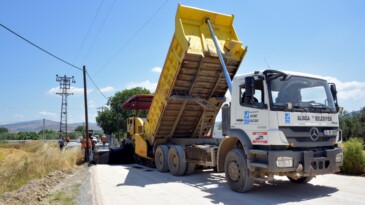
59 187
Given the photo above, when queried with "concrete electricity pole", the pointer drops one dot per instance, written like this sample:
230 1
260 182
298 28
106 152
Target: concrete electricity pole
64 86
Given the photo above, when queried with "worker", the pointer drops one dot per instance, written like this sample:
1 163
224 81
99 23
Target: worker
67 139
61 143
103 139
84 141
91 149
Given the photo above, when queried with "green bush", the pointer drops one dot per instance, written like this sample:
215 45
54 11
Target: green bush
7 136
354 157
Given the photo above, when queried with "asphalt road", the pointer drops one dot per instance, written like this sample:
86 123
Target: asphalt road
73 144
136 184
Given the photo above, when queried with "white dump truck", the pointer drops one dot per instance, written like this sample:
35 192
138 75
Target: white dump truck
277 123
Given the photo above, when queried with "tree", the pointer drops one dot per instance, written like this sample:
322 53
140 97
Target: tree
27 136
79 128
114 118
218 125
50 134
107 121
353 124
4 130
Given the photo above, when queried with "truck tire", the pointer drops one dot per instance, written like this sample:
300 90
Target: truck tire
176 161
236 171
190 168
300 180
161 156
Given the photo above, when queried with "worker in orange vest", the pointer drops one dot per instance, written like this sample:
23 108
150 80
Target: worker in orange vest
103 139
67 139
84 141
83 145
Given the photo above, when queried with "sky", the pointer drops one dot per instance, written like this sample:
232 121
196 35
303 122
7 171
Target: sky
123 44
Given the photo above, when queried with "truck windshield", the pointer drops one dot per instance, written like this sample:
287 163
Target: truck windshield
304 93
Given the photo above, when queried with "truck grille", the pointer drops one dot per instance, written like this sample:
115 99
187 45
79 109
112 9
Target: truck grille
301 137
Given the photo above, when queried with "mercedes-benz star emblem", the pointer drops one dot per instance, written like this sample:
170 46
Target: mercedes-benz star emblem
314 134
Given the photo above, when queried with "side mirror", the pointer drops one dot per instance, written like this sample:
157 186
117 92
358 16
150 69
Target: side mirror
334 95
333 91
340 109
249 89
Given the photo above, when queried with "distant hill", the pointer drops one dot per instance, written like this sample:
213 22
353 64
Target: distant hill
37 125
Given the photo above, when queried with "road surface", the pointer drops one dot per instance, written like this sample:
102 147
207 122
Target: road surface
73 144
137 184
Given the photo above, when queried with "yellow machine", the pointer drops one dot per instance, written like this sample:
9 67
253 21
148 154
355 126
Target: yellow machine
135 129
135 124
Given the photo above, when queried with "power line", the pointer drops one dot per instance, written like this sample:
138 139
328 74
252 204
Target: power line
33 44
58 58
97 34
96 86
88 31
133 36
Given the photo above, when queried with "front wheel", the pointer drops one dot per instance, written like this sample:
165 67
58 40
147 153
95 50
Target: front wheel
300 180
236 171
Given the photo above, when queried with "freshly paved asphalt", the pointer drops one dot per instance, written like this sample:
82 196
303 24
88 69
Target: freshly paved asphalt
136 184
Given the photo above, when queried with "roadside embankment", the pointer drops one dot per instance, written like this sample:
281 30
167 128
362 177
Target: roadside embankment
28 170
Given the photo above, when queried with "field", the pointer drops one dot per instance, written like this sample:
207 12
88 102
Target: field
22 162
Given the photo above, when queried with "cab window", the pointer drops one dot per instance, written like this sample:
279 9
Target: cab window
258 98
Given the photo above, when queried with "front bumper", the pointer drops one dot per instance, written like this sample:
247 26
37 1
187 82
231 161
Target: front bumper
307 163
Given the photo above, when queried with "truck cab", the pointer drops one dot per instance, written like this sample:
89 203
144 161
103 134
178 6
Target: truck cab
285 123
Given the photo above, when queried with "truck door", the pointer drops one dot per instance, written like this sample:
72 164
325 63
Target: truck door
251 113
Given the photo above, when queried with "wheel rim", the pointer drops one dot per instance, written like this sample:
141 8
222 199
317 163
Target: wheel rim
234 171
175 161
160 158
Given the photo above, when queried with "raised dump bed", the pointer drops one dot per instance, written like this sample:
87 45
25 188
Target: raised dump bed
192 86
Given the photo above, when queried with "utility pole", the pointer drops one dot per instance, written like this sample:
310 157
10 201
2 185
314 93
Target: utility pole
86 117
65 83
101 109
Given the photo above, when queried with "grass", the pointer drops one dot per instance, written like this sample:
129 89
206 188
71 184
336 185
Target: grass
22 162
66 197
62 198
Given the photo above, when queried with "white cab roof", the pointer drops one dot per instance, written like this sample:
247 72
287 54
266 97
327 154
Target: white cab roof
287 72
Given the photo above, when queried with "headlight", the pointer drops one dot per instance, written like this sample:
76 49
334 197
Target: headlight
330 132
339 158
284 162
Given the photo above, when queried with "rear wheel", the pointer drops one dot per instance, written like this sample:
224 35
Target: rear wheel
190 168
176 161
236 171
300 180
161 156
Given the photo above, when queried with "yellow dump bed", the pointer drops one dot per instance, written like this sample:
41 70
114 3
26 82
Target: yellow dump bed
192 84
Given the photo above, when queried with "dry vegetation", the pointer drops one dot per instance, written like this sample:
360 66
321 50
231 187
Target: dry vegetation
22 162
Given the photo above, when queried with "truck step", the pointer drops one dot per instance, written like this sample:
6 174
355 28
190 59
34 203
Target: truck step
258 152
260 165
